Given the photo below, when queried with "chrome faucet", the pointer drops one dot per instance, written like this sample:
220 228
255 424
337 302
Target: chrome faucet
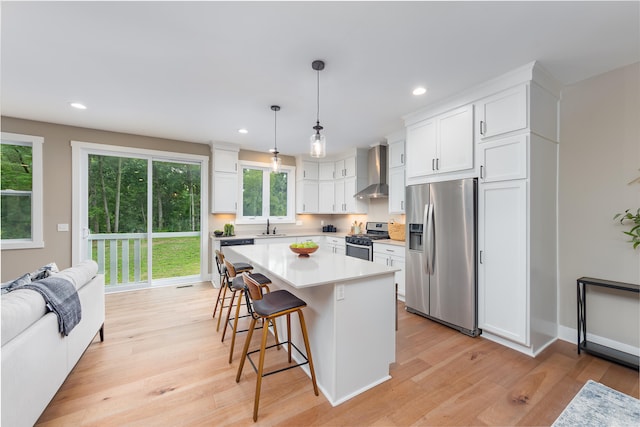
267 225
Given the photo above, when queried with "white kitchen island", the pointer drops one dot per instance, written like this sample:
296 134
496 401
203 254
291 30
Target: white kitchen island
350 313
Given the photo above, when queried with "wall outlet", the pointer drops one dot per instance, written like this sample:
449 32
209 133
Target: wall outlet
63 227
339 292
322 222
298 222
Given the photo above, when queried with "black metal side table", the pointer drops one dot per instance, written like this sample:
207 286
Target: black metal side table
608 353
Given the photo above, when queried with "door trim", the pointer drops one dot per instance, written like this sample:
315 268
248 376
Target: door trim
80 150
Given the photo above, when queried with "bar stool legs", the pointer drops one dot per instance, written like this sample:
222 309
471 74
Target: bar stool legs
263 346
234 329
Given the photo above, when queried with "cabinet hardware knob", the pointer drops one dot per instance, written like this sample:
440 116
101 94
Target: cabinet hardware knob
402 159
481 258
482 125
433 164
481 172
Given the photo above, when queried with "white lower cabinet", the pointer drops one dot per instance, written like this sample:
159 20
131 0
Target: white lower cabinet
392 256
336 245
272 240
503 279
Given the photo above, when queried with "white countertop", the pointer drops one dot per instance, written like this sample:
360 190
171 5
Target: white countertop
322 267
390 242
270 236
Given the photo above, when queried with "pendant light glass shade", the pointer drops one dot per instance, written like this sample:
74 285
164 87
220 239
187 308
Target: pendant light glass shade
317 142
318 145
276 162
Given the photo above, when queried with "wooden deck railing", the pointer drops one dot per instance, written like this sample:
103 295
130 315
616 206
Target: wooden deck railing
119 246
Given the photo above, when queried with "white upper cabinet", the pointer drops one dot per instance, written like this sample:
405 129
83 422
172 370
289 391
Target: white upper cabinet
339 171
307 196
396 173
421 148
350 167
504 159
225 181
351 204
441 144
326 197
309 170
396 190
502 113
225 160
396 154
326 171
225 192
455 140
339 196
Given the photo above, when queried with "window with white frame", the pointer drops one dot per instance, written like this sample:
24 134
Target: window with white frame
21 191
266 194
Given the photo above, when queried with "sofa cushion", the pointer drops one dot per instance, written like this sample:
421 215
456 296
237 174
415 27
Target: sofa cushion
81 273
23 307
20 309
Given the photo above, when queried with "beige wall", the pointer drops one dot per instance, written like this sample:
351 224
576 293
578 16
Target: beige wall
57 185
599 156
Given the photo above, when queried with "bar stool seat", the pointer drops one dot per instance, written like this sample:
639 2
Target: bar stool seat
275 302
241 267
268 307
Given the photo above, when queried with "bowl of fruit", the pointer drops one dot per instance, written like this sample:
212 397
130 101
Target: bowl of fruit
303 249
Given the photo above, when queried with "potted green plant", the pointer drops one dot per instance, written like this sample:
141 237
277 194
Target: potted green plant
229 230
634 219
218 233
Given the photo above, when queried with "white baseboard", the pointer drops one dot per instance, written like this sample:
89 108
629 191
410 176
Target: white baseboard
571 335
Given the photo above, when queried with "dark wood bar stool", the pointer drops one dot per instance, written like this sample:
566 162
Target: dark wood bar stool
238 286
222 297
268 307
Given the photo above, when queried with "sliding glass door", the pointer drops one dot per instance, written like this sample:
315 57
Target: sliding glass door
140 217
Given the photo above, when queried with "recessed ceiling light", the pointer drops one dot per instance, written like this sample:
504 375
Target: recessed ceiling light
243 131
419 91
78 105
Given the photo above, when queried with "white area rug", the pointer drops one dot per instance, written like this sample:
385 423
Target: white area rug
598 405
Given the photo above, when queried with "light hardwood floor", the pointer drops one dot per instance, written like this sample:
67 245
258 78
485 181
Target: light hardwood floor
162 364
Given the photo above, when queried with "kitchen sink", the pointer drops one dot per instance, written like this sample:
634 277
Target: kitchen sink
271 235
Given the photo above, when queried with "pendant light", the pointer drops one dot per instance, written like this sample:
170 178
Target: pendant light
276 162
318 143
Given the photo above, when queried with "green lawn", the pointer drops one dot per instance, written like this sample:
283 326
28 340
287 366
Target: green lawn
172 257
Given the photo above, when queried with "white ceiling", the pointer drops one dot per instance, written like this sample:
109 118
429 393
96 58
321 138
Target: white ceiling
199 71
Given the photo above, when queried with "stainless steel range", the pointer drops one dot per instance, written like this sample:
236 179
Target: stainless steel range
361 245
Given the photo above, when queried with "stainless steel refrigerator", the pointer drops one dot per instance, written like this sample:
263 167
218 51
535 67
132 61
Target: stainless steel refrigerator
441 277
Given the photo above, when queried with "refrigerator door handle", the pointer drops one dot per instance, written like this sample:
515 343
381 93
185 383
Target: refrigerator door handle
425 253
429 241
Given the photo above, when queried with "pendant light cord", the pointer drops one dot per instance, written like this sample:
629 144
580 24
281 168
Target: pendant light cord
318 97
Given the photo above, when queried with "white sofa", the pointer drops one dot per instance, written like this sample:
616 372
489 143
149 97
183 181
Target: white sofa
36 358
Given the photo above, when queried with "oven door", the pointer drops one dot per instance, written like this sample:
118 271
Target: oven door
358 251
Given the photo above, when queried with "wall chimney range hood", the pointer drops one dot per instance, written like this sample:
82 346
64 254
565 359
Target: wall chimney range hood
378 187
